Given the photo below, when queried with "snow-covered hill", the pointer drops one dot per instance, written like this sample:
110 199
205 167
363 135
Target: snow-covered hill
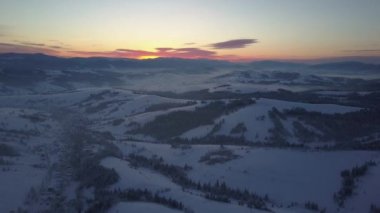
173 135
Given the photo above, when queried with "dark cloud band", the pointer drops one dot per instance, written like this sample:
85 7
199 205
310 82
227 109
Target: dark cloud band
233 44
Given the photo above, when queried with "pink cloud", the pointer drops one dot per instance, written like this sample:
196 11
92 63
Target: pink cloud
21 48
165 52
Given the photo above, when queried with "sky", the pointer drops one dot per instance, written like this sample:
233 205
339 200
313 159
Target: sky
214 29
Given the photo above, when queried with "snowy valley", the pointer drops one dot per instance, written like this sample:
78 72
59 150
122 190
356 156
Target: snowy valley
176 135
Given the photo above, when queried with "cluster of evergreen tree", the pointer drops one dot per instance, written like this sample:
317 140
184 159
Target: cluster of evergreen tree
219 198
343 128
240 128
281 94
212 139
158 164
81 163
221 155
370 100
85 163
175 123
165 106
278 132
349 179
229 140
102 202
4 162
117 121
7 150
35 118
312 206
374 209
216 128
304 134
217 191
19 134
203 94
105 199
148 196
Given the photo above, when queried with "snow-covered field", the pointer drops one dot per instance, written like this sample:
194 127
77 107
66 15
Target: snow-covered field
66 137
284 175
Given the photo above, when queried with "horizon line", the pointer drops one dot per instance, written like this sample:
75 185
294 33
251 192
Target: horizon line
354 58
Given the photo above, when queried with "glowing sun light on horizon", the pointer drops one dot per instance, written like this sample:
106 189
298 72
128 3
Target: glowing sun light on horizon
148 57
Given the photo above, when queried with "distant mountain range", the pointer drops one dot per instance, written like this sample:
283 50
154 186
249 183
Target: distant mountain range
47 61
348 65
52 62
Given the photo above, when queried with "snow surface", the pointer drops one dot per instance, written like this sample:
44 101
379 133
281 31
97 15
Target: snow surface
284 175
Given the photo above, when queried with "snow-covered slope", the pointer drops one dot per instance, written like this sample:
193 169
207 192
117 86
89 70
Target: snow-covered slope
255 118
82 135
286 176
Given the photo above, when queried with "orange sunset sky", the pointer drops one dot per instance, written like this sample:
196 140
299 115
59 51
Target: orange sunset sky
213 29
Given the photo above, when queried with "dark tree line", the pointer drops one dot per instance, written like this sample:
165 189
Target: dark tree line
312 206
217 191
343 128
83 165
240 128
86 163
374 209
221 155
175 123
229 140
278 132
212 139
110 197
166 106
7 150
349 179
